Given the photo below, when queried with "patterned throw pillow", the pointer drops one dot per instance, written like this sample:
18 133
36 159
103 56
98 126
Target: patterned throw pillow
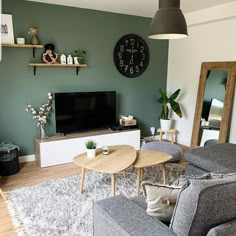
160 200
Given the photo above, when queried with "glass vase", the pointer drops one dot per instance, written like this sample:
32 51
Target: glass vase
43 133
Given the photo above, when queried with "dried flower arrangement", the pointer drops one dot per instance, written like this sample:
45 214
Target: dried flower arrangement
44 110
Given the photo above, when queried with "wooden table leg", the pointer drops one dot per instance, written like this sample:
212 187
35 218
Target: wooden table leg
164 172
124 173
113 184
82 179
2 194
141 176
172 137
138 178
160 139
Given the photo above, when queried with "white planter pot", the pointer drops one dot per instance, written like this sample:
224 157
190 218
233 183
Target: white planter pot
91 153
165 124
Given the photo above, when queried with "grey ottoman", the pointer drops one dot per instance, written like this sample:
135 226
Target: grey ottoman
169 148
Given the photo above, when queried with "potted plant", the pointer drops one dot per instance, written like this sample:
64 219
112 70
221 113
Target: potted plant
79 56
165 101
91 148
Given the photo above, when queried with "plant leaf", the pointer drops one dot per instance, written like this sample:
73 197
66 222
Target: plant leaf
164 112
175 107
174 95
163 94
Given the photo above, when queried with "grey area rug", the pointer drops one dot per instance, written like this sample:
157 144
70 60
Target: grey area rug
57 207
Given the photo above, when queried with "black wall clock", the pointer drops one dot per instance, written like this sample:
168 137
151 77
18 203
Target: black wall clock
131 55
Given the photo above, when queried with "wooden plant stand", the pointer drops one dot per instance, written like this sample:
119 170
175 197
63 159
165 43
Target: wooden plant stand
171 131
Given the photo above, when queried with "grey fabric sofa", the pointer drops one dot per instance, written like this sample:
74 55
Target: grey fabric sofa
204 207
218 158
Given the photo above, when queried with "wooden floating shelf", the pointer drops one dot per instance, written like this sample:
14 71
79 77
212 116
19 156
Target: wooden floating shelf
21 45
14 45
77 66
57 65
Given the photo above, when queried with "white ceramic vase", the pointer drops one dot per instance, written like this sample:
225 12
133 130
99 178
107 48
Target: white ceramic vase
165 124
91 153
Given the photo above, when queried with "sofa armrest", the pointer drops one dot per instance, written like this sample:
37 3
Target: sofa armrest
226 229
120 216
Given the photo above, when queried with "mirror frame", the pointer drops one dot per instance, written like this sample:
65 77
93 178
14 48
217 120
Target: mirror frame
228 100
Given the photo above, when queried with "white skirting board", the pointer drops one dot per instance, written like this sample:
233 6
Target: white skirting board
27 158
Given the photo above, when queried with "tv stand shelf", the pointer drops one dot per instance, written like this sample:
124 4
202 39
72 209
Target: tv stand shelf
60 149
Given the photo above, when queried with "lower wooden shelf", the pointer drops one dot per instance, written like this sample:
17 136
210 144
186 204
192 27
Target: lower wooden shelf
77 66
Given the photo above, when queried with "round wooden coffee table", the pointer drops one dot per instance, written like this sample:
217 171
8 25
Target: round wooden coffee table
120 157
146 158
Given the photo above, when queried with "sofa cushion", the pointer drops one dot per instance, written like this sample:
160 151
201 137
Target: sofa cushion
226 229
214 158
194 170
203 204
119 216
161 200
140 200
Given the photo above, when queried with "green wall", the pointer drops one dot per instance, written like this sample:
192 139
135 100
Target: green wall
71 28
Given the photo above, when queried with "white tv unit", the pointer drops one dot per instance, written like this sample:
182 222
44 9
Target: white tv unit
61 149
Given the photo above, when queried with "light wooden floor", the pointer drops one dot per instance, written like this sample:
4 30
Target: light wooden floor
30 174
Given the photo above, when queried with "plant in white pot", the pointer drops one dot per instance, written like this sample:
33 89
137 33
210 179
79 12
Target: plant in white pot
79 57
91 148
165 120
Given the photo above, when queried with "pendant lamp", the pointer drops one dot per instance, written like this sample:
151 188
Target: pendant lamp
169 21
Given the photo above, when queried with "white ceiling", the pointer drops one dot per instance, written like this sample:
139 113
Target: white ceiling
134 7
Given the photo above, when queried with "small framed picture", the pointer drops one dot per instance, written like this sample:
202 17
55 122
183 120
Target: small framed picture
7 34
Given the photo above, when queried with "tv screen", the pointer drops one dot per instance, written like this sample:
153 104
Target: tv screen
83 111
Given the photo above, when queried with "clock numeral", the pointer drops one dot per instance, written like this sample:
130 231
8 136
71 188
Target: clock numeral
137 44
143 56
122 48
131 70
121 63
126 42
132 42
126 67
120 55
131 60
137 69
141 63
142 49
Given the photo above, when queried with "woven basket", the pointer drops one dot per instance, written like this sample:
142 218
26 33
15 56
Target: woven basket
9 163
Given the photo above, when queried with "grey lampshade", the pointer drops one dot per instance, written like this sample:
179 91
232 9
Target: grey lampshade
169 21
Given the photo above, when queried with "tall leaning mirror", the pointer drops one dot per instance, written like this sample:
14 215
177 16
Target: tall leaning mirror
214 103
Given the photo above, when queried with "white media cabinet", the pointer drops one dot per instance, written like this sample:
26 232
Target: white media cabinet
61 149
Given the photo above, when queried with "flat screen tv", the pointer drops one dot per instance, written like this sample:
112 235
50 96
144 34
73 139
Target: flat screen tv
82 111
